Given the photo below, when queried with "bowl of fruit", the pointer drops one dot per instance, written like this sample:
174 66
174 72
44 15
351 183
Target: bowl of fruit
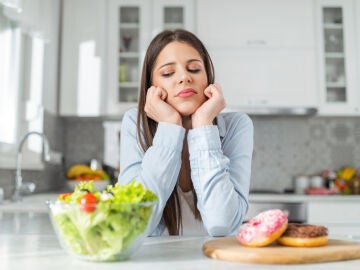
107 225
83 172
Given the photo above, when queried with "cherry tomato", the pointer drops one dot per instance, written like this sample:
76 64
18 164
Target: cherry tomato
88 203
64 196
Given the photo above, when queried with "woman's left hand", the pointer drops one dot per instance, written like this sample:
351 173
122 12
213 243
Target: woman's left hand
206 113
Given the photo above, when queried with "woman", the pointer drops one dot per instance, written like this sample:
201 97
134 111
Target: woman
178 145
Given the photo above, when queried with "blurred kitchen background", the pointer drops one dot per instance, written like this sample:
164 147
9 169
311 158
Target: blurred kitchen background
70 68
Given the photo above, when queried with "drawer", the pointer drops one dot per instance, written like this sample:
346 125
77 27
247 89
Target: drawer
342 230
296 211
334 212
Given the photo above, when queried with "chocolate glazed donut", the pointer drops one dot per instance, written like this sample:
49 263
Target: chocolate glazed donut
304 235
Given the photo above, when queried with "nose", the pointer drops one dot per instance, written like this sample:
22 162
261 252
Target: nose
184 77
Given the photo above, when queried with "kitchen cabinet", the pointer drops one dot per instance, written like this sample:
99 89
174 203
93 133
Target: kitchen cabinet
103 46
298 54
173 14
83 58
132 25
265 62
129 31
336 35
357 35
341 218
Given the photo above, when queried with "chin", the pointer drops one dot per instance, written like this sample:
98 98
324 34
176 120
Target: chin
187 109
186 113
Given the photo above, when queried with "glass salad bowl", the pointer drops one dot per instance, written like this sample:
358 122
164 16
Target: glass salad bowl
98 184
102 226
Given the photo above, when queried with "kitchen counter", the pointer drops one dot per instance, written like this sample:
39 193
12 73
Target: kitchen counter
41 251
27 241
295 198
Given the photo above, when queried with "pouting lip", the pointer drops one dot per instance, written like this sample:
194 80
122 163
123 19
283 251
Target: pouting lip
185 91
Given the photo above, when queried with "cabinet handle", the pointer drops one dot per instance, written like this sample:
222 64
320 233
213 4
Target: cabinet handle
256 42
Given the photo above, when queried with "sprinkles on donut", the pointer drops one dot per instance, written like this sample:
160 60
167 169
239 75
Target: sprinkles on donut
263 229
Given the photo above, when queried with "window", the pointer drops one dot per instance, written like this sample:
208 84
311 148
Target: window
21 71
10 48
28 62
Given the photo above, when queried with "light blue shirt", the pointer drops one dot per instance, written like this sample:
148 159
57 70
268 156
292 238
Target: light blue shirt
220 161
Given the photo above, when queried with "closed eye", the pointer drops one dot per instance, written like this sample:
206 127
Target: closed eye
194 70
167 74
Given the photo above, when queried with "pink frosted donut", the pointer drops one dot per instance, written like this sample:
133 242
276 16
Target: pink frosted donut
263 229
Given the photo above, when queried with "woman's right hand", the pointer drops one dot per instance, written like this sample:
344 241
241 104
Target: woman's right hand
157 109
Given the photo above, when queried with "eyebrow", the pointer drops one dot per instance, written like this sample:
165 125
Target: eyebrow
187 62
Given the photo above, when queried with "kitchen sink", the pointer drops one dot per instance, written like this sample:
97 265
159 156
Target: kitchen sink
28 216
25 223
32 203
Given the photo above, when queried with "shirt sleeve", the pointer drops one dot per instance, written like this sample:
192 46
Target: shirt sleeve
220 171
157 168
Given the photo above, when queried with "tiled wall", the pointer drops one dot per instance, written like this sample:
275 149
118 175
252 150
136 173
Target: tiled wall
289 146
285 146
84 139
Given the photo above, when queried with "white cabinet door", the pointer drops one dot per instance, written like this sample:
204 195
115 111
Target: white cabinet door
266 77
341 218
83 58
357 55
173 14
237 23
336 35
129 26
263 51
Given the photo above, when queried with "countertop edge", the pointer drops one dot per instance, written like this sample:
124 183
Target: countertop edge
297 198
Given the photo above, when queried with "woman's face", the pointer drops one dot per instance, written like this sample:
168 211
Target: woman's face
180 71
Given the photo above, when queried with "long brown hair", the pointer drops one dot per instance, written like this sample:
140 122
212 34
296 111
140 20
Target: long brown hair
146 127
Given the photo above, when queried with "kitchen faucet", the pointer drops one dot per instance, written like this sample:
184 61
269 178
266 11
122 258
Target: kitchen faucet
21 186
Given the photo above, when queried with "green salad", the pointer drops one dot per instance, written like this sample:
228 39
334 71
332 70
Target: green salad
103 225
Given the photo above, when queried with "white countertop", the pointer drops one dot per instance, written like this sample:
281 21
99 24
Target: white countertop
39 252
27 241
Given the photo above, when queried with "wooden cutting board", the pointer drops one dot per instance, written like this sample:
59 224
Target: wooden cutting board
230 249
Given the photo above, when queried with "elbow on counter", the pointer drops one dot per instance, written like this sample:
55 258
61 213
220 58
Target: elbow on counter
225 222
218 231
222 226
